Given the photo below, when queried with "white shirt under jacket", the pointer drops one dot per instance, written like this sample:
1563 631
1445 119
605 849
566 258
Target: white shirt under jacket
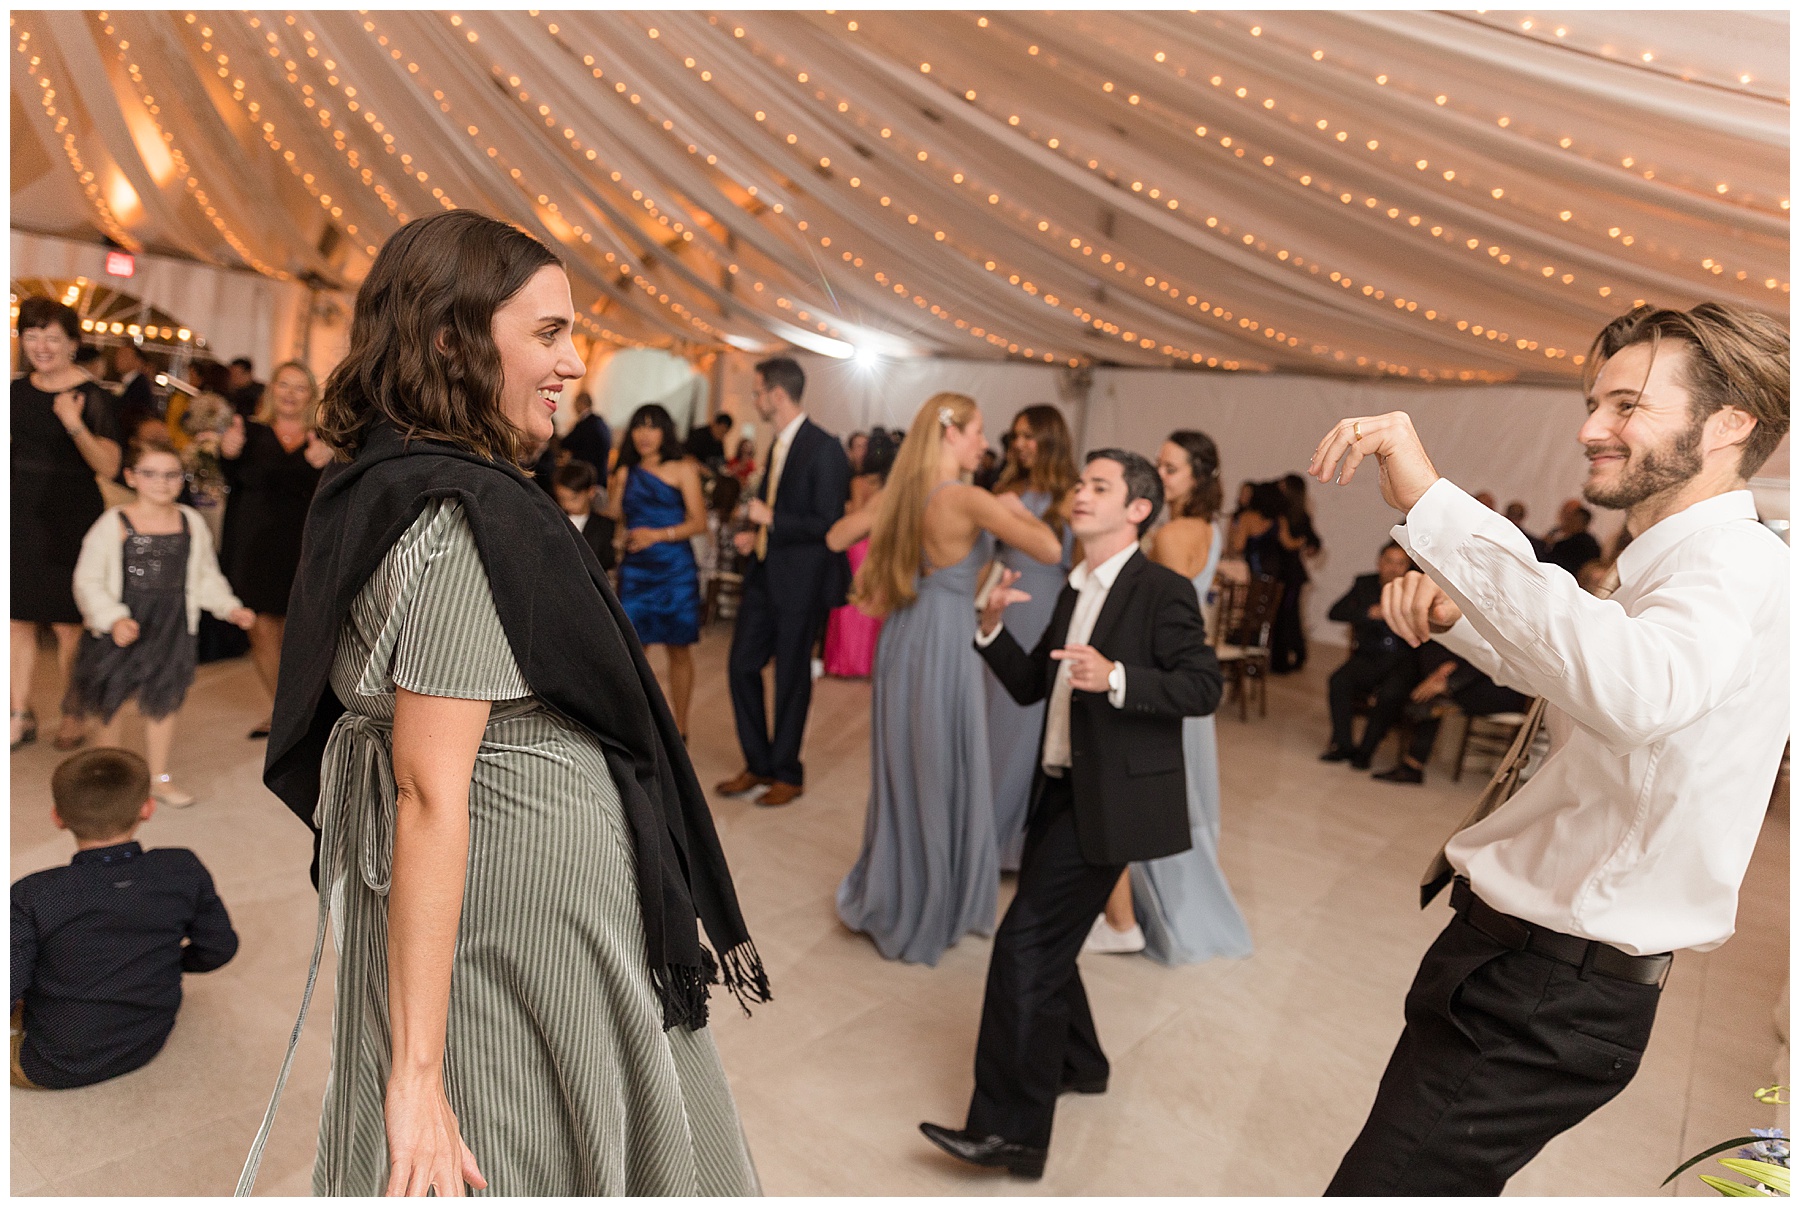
1091 589
1668 710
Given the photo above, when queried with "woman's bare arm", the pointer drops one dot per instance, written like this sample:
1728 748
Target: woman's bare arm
692 502
435 742
853 527
1008 519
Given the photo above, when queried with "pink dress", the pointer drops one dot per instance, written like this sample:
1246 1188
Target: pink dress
851 633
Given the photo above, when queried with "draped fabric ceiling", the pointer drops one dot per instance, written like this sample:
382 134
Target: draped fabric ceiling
1430 196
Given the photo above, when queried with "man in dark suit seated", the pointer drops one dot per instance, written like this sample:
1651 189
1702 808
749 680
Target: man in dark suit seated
1381 665
575 487
588 438
791 583
1573 545
1446 681
1123 660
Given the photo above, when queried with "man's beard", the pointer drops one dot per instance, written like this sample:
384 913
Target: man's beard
1651 472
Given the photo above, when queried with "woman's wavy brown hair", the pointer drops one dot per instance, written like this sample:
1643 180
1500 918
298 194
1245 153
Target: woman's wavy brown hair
422 352
1054 470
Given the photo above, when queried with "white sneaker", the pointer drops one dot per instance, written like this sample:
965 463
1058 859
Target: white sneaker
1103 938
163 790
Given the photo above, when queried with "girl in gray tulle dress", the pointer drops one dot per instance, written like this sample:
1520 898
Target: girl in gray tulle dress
145 573
929 871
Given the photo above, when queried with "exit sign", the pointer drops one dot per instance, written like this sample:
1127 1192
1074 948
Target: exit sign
120 264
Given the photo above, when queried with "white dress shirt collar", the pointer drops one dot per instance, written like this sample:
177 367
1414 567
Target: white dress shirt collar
1668 531
1107 572
785 436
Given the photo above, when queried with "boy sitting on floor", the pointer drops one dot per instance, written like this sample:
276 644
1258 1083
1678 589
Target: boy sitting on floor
99 946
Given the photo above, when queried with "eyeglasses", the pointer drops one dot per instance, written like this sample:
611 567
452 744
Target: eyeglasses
154 475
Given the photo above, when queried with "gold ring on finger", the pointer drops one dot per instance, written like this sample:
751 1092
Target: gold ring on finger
1356 432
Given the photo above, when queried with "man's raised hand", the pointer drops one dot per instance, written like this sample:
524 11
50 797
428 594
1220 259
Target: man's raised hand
1406 472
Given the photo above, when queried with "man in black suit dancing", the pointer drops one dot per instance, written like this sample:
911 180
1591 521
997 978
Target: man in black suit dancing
791 584
1123 660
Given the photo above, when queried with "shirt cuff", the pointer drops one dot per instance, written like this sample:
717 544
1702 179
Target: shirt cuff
982 643
1115 686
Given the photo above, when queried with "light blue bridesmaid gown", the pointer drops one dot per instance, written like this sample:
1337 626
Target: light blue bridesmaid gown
928 872
1182 901
1013 729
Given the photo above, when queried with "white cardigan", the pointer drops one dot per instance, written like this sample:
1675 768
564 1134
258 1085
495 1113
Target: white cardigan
100 574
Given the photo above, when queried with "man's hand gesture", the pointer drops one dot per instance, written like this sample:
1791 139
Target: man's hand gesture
1003 596
1406 472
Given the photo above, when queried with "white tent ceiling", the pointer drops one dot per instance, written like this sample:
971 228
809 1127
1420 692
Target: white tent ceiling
1439 197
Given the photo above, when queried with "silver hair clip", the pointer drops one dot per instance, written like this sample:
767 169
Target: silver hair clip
946 417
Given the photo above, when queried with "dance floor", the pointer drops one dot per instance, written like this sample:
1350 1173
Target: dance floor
1244 1077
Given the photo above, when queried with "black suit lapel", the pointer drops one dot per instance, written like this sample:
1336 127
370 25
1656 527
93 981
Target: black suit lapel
1117 599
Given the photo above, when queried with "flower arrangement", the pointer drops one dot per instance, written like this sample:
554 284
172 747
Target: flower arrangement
1764 1161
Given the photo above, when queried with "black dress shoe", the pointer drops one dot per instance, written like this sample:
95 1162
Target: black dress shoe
1401 773
1334 754
993 1152
1091 1085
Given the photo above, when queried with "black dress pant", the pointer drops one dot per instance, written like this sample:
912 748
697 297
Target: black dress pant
1389 678
1482 698
1036 1030
766 629
1503 1051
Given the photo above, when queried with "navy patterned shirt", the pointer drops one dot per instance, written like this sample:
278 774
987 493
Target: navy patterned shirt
98 949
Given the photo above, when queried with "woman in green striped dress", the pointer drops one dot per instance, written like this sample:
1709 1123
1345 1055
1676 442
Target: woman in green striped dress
510 834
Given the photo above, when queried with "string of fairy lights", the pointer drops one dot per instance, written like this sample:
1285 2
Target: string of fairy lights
881 278
290 47
183 171
1247 239
551 211
1226 140
85 177
707 247
307 173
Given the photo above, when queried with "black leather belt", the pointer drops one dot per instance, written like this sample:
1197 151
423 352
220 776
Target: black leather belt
1589 955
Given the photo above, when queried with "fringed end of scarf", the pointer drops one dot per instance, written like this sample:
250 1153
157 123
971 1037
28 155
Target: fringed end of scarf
745 977
682 989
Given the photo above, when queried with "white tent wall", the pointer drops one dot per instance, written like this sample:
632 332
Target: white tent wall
240 313
1517 442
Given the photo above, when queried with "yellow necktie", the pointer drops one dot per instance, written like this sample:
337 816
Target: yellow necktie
777 459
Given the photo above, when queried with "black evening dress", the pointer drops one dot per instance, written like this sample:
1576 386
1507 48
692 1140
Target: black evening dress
271 488
55 500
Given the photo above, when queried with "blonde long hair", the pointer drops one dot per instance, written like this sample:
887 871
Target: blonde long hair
897 540
265 409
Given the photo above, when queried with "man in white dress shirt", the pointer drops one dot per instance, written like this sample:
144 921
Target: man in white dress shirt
1668 710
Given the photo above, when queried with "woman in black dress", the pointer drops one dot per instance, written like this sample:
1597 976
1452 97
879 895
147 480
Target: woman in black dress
62 437
1298 540
272 465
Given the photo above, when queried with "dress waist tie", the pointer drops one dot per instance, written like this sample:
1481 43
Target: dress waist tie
357 802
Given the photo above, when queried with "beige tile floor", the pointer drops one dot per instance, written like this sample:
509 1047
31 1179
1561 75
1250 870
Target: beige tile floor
1234 1077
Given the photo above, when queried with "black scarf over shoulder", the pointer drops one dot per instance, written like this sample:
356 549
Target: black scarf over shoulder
577 651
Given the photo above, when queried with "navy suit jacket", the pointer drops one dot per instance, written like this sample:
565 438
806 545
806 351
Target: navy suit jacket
815 482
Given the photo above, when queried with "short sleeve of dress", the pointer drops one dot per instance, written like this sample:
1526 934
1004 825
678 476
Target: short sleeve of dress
447 636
